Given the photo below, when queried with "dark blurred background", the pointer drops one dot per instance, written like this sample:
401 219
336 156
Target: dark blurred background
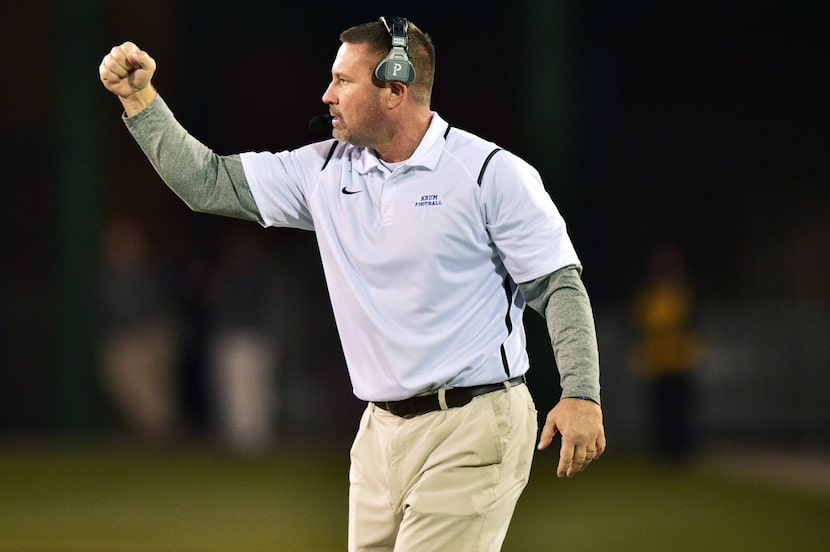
697 129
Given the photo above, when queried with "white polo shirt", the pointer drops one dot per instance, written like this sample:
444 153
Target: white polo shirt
420 261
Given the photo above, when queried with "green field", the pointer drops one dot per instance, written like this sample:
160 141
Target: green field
120 498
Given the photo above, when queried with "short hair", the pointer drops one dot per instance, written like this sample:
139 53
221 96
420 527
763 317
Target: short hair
419 47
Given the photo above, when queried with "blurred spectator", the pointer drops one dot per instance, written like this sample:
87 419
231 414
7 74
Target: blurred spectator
139 341
194 274
245 343
667 352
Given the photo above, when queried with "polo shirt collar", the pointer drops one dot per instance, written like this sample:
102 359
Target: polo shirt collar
426 155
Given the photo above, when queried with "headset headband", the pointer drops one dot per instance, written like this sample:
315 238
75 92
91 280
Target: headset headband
396 65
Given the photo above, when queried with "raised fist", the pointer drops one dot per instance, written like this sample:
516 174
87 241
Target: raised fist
127 70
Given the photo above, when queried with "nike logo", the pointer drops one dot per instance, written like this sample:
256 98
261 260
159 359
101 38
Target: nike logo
350 192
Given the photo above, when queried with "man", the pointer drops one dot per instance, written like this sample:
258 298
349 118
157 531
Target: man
432 241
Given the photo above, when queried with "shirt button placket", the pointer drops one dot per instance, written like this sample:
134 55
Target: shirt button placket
386 202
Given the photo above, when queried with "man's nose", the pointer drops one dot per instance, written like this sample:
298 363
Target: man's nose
328 96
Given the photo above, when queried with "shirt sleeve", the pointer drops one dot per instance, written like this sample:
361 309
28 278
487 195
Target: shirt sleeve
278 185
522 220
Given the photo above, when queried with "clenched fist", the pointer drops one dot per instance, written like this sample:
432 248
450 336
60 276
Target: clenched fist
126 72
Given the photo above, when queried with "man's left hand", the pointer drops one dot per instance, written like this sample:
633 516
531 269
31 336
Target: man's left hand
579 421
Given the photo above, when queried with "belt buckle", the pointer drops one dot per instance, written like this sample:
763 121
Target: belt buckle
401 409
408 409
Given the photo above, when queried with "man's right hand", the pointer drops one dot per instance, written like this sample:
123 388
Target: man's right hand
126 72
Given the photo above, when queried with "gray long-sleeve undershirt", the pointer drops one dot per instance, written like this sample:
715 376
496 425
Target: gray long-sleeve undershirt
205 181
562 300
216 184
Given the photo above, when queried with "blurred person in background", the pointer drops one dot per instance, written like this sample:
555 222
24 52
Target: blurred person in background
139 341
666 353
245 343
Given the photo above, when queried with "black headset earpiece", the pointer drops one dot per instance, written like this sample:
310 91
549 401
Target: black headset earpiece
396 65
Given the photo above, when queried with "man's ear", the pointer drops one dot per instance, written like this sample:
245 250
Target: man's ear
397 93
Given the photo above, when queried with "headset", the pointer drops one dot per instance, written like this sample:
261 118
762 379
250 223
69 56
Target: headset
396 65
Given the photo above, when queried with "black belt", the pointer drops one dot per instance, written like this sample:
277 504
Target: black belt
455 397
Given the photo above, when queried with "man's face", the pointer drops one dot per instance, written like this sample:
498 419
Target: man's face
353 98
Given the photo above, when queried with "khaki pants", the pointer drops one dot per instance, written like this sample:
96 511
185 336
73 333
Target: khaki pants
446 481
